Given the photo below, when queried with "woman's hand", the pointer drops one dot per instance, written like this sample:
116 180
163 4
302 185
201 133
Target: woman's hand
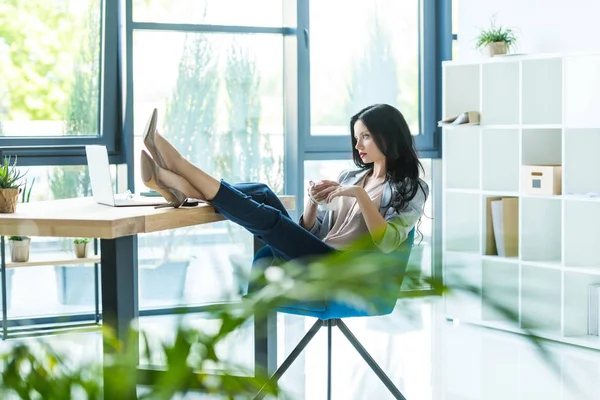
350 191
321 190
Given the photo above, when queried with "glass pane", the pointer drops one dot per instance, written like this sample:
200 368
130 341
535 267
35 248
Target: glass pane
220 102
455 19
421 255
371 55
212 12
59 289
50 67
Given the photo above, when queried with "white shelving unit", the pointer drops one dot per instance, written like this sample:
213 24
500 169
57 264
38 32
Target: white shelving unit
535 110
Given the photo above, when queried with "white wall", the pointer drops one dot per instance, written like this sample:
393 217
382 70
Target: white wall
542 26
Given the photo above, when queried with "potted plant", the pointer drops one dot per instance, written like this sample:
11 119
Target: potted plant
19 248
19 245
10 183
81 247
496 40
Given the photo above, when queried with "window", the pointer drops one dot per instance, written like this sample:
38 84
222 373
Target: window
455 29
236 92
368 54
52 58
220 101
212 12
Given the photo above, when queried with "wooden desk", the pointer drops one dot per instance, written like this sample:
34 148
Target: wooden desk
117 227
85 218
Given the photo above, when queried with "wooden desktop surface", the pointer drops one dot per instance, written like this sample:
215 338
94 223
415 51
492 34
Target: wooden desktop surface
83 217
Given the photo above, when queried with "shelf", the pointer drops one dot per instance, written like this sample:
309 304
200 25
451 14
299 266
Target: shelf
540 298
582 98
541 227
542 91
39 263
462 222
542 146
576 198
461 92
535 110
554 265
500 159
555 335
584 270
551 197
581 161
500 288
582 234
461 154
575 304
583 340
500 94
512 260
509 207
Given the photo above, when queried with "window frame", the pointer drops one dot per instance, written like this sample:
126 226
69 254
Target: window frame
70 150
435 43
436 46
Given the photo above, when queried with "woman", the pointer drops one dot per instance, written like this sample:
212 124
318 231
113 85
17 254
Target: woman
384 197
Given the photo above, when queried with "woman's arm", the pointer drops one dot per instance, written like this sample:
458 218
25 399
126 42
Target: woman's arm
308 219
319 192
375 222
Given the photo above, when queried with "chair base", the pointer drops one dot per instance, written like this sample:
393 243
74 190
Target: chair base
351 338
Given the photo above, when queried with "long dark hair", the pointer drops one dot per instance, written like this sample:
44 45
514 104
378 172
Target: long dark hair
392 135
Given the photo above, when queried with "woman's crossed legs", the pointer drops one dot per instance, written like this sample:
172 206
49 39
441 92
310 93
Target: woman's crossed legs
251 205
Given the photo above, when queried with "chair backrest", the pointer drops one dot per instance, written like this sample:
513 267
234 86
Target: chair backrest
382 304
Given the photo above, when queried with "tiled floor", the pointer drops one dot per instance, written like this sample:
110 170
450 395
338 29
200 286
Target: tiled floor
428 357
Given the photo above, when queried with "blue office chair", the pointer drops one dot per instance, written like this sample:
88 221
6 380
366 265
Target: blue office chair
330 314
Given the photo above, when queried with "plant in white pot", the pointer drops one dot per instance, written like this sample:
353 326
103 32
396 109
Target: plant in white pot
10 183
496 40
19 245
19 248
81 247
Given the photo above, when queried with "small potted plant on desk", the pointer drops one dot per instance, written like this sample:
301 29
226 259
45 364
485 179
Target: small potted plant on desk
496 40
10 183
80 245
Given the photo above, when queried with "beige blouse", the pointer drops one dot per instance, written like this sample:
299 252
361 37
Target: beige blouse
349 223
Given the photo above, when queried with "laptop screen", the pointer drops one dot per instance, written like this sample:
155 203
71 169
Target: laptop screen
98 165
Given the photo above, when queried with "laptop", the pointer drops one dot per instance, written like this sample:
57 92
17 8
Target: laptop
102 188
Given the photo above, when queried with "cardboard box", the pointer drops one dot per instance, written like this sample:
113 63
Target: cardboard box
542 179
502 226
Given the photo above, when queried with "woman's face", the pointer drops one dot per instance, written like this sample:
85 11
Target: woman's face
367 149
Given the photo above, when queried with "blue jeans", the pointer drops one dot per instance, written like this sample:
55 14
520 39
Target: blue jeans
255 207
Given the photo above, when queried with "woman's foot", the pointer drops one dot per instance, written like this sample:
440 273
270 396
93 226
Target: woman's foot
172 187
163 153
171 157
171 179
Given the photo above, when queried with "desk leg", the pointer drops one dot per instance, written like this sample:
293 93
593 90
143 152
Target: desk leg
119 308
265 337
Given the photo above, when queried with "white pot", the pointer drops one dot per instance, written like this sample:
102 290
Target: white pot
496 48
80 250
19 250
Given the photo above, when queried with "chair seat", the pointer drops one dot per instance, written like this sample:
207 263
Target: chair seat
334 309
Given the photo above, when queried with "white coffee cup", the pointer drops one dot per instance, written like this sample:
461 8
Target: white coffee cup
323 204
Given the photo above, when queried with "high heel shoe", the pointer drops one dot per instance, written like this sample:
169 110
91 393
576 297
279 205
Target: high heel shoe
175 197
149 140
